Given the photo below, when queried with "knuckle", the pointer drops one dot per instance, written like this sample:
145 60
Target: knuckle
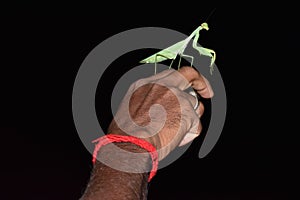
188 70
136 84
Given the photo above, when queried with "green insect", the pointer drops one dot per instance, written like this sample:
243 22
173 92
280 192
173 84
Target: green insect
178 49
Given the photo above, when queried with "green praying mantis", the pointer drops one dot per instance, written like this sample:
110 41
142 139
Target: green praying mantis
171 52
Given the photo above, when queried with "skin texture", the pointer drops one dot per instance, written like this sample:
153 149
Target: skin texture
158 110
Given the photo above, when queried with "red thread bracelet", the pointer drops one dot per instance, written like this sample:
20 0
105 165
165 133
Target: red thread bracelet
121 138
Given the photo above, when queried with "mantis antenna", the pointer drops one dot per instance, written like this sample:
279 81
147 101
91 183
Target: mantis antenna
210 14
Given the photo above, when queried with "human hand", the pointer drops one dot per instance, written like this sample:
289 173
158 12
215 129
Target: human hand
158 110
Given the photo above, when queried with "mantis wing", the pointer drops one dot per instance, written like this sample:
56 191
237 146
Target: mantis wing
167 53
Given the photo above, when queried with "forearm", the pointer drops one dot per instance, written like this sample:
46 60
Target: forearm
109 183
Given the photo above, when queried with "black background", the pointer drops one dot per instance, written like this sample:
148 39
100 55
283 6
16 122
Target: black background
44 45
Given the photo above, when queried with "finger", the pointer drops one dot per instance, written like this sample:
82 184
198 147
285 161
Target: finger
196 105
160 75
197 81
188 138
203 87
196 126
153 78
176 80
200 109
194 132
186 77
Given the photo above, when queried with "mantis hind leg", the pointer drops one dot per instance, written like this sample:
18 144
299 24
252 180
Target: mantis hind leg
171 63
155 63
187 56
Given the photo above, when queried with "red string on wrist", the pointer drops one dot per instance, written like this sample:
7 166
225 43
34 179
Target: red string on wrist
137 141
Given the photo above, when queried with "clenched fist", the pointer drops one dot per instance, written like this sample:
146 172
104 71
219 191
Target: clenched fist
158 110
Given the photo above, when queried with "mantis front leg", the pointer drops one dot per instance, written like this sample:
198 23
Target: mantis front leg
213 58
207 52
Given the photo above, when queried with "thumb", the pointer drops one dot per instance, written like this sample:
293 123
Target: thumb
196 127
188 138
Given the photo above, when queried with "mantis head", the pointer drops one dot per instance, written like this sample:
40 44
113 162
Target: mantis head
204 26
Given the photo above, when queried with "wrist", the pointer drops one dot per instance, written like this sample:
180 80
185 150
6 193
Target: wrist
154 140
125 157
109 183
124 160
